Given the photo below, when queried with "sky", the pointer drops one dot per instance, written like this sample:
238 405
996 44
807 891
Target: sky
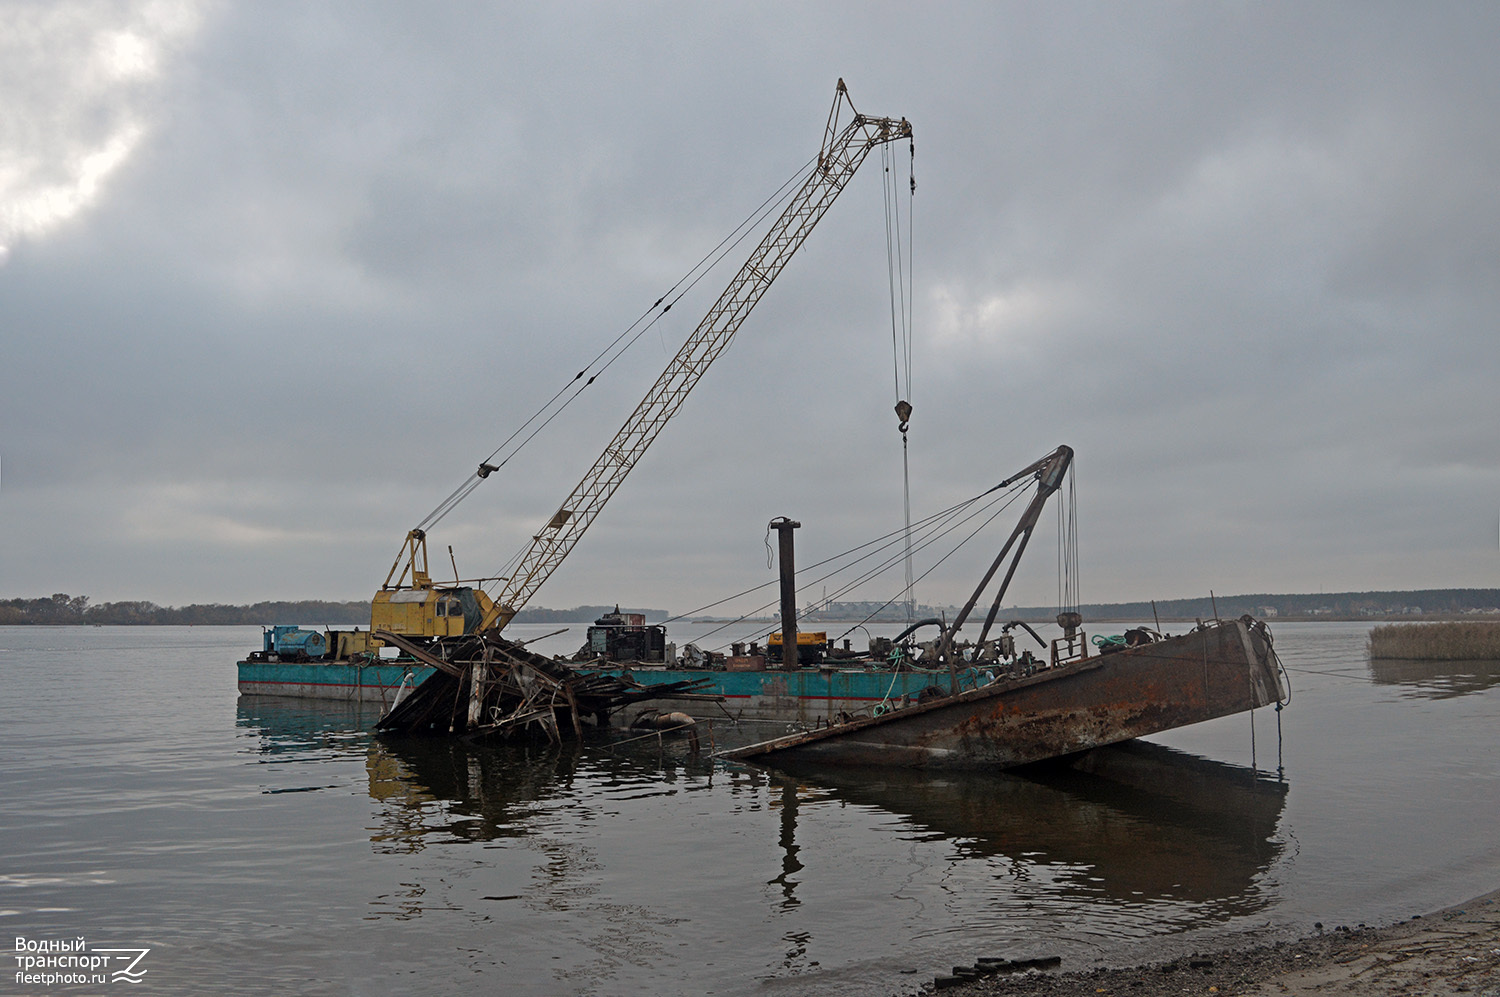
275 277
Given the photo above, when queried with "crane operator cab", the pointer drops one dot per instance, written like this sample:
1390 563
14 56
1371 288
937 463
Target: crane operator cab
412 604
429 612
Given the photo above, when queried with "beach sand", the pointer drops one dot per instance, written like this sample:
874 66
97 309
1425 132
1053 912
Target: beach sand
1453 951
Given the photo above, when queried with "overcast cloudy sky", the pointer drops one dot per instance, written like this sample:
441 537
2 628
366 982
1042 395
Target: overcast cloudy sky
276 276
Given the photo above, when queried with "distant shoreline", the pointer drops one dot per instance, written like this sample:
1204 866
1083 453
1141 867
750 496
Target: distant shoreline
64 610
807 625
1412 606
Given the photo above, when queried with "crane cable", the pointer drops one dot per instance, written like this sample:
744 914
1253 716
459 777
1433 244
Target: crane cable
1067 546
934 528
613 351
882 541
898 266
1008 498
902 293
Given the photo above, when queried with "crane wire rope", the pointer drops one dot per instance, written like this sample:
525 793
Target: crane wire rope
880 569
1009 498
898 277
839 157
1067 546
725 247
895 274
890 560
655 313
884 540
939 526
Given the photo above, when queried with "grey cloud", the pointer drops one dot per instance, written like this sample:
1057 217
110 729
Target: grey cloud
1242 258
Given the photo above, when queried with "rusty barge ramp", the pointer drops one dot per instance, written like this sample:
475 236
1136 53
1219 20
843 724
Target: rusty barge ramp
1220 668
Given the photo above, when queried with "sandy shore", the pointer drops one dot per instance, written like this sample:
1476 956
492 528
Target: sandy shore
1454 951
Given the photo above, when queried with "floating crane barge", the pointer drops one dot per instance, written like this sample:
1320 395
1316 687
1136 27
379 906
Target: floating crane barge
1022 710
457 675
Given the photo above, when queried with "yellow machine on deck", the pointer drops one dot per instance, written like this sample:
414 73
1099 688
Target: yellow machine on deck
409 603
810 645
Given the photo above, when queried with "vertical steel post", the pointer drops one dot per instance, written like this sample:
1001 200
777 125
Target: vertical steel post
478 676
784 528
479 679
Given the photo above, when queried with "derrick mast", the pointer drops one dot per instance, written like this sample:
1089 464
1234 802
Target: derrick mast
846 143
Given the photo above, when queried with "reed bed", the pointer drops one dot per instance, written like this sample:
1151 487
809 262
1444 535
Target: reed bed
1436 641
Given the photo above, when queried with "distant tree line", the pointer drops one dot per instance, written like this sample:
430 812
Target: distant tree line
1331 605
583 614
62 609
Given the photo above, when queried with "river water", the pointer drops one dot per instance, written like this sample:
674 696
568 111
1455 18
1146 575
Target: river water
258 845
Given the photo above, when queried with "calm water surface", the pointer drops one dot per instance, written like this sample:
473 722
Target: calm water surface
274 846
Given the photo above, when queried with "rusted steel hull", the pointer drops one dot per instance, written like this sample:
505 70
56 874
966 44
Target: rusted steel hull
1224 668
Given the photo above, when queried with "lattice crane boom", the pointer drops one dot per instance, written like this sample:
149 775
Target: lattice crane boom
842 153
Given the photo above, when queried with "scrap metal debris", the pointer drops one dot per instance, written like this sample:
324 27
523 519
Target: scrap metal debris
487 686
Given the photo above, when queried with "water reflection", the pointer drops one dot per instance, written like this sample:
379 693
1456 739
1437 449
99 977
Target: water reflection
1132 821
292 730
1435 679
787 840
1136 822
437 791
1127 841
